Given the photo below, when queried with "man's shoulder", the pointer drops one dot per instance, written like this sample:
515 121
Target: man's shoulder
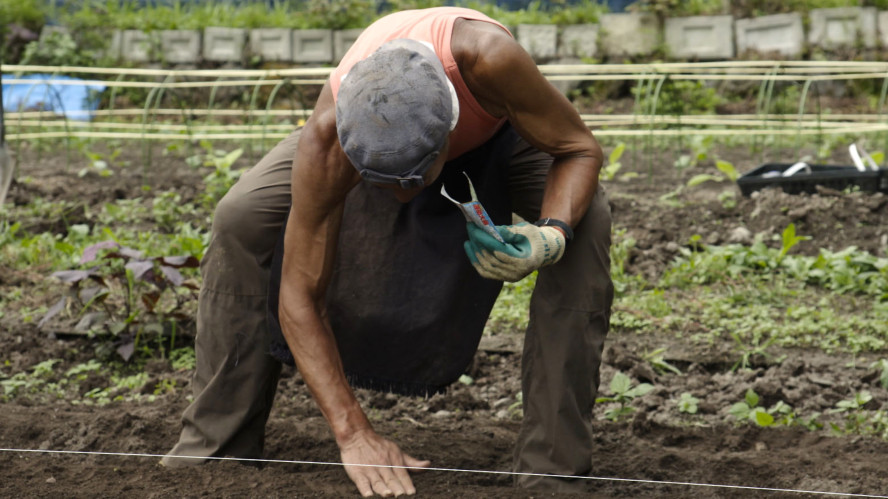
483 50
474 33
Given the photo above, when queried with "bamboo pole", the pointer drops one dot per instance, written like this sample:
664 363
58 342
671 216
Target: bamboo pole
144 84
175 73
627 120
302 113
586 76
683 132
646 122
747 69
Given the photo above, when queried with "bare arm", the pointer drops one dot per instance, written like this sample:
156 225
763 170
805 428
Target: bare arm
322 177
320 182
506 82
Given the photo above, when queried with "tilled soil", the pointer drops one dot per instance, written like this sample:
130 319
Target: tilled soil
658 452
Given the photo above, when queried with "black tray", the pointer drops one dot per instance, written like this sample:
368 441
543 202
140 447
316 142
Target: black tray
831 176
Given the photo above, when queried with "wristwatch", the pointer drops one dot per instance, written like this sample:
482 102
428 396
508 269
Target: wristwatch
554 222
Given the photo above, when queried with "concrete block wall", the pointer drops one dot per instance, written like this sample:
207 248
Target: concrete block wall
615 36
313 46
883 28
700 37
579 40
781 33
843 27
539 40
342 41
224 44
272 44
180 46
137 46
630 34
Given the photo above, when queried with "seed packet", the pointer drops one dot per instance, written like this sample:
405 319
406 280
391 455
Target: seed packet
474 212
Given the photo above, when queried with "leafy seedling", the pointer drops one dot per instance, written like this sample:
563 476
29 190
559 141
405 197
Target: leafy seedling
749 410
882 366
613 162
750 351
790 239
700 147
222 176
623 394
856 417
780 413
728 172
688 403
656 360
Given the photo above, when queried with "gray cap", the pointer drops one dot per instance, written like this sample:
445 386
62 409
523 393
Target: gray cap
394 112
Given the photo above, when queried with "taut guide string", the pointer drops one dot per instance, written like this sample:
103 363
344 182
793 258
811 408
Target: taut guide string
456 470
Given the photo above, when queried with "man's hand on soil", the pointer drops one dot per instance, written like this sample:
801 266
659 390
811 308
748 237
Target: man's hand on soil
366 447
526 248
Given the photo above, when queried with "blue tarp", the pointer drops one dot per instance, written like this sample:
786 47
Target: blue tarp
72 100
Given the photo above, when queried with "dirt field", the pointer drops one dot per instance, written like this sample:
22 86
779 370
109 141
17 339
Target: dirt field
473 427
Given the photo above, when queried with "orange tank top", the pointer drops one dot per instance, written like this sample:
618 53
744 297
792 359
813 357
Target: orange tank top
435 26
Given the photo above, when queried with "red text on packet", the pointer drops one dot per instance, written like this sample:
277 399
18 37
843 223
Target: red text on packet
480 212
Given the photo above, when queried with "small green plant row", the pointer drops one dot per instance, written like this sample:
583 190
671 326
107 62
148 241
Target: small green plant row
780 414
848 270
726 170
856 419
46 380
757 309
183 226
20 249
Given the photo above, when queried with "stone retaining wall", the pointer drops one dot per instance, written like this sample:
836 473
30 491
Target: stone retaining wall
616 36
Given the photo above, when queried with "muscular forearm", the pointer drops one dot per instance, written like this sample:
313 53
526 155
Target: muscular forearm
570 186
317 358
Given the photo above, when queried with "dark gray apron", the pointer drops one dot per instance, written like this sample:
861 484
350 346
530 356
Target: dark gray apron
406 306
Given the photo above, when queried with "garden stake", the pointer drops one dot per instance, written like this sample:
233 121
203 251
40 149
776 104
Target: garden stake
651 128
268 105
251 117
5 160
881 107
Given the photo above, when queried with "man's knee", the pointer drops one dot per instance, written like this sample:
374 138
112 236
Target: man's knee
232 215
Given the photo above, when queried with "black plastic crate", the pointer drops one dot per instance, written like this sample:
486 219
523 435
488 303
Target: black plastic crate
831 176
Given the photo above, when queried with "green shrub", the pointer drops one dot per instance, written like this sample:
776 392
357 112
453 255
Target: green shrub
679 8
57 49
25 14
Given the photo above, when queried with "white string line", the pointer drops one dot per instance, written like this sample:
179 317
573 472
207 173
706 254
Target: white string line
457 470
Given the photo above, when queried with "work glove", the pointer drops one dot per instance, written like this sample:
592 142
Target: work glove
526 248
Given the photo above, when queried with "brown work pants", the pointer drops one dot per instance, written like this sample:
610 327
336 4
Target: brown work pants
235 379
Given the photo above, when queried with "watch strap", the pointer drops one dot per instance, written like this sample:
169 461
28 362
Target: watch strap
554 222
